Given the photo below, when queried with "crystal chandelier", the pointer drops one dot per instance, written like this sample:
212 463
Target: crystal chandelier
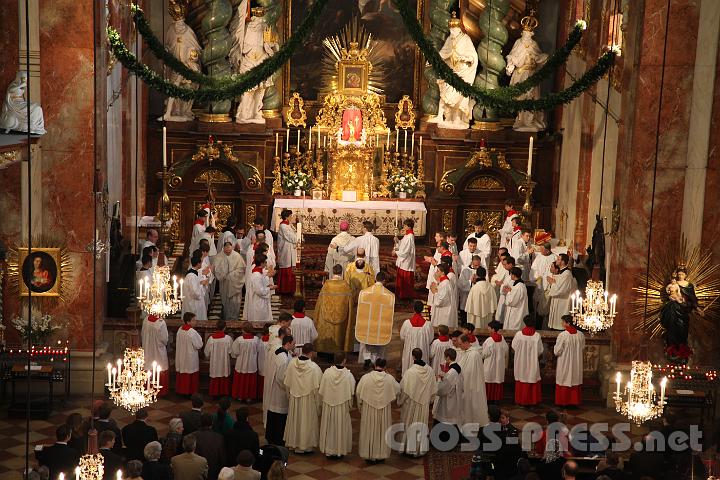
595 312
130 385
159 297
641 403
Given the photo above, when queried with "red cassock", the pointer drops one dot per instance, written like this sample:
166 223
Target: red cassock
286 281
528 393
405 284
164 383
245 385
219 386
494 391
568 395
186 383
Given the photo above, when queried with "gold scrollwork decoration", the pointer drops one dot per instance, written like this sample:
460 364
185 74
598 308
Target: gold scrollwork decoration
485 183
174 181
447 220
250 214
213 176
295 116
405 115
492 219
253 181
176 217
445 185
9 157
215 150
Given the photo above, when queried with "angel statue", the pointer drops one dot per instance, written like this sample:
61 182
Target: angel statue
524 59
251 46
182 42
675 313
15 111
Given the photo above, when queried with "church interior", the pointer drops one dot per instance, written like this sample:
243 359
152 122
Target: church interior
147 147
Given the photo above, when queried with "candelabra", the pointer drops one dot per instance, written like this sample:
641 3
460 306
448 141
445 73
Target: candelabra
131 386
525 189
159 297
421 177
595 312
641 403
277 182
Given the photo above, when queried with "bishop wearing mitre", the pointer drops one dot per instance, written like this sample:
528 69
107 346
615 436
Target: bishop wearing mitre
375 393
334 256
359 275
337 387
302 381
332 312
230 271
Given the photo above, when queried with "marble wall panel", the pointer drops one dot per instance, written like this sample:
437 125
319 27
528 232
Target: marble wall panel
9 38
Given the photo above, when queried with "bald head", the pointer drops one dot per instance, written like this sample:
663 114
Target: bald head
360 253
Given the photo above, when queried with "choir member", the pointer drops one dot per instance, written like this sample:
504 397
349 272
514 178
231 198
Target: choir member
482 300
516 302
457 345
528 348
201 222
217 350
415 332
283 323
368 242
467 253
304 329
188 343
332 312
468 329
417 389
359 275
254 251
474 398
151 238
405 251
503 280
506 230
444 307
484 243
561 288
154 342
258 307
258 226
262 359
227 234
539 272
275 396
440 238
519 250
465 283
206 270
375 393
246 349
230 271
337 387
287 253
209 236
193 290
334 257
495 352
449 402
302 382
569 349
438 347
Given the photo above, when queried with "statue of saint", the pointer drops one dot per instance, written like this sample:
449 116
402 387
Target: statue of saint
14 114
251 46
675 314
181 41
454 110
524 59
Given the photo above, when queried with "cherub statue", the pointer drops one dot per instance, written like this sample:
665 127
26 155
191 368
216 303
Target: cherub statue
15 112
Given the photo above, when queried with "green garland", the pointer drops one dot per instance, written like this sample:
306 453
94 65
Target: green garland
235 85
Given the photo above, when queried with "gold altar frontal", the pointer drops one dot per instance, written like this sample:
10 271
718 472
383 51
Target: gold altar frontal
350 169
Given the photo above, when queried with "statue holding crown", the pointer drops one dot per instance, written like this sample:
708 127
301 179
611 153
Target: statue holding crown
252 44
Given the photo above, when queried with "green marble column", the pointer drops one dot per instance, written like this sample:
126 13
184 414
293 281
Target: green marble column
439 16
272 101
214 55
492 61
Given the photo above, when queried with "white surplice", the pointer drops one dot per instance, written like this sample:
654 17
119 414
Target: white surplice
437 353
518 250
218 351
507 229
287 246
302 381
337 387
431 276
415 337
198 230
539 271
481 304
474 397
444 306
375 393
495 357
187 345
275 397
194 296
334 256
449 402
250 238
484 248
503 276
417 389
258 307
230 271
211 243
303 331
569 350
516 307
526 365
247 352
464 285
154 342
370 244
560 301
406 253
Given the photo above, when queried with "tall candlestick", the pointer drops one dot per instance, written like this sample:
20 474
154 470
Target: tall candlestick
298 142
397 213
164 147
529 168
420 149
287 140
277 141
405 142
77 473
181 288
299 232
109 367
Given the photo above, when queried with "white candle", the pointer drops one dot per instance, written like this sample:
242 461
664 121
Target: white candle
397 212
318 130
164 147
77 473
119 475
119 368
377 138
109 367
324 142
420 149
157 378
298 142
97 235
405 142
618 379
310 138
277 141
529 166
113 377
154 369
287 140
572 303
299 232
181 288
663 383
387 142
61 476
397 139
140 289
412 144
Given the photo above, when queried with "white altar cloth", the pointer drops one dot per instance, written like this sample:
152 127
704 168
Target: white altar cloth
322 217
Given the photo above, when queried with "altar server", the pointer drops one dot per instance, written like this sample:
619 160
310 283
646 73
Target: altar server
259 246
217 350
154 342
415 333
539 273
258 226
484 243
528 348
468 329
151 238
258 307
502 280
467 253
444 307
246 349
561 288
405 251
209 235
194 291
230 271
287 253
375 393
337 387
227 234
465 282
188 343
474 407
447 408
417 389
519 250
206 270
256 251
440 237
303 326
569 349
275 396
495 352
334 257
507 229
202 220
438 347
516 302
368 242
302 381
482 300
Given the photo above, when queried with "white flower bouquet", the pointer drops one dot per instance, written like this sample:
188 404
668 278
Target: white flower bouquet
403 181
42 328
296 180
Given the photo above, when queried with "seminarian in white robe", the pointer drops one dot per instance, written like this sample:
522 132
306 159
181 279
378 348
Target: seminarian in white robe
154 342
230 271
417 389
516 306
502 275
198 230
444 307
415 332
287 258
437 352
464 284
370 244
405 263
481 304
275 397
302 381
539 271
449 402
495 352
519 251
431 276
560 301
483 249
474 407
569 350
188 343
507 229
337 387
217 350
528 347
223 238
375 393
250 238
211 243
334 257
194 295
258 307
303 330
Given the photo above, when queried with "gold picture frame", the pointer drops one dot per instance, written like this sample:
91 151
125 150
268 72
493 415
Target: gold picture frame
353 78
40 272
295 115
405 115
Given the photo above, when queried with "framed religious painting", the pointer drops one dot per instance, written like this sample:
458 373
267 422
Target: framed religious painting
353 78
39 272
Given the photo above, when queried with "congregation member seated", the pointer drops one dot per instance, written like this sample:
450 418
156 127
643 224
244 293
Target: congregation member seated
78 437
222 421
172 443
133 470
210 445
189 465
112 462
104 422
153 468
138 434
243 470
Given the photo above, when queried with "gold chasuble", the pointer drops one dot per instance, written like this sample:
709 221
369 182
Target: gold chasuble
358 281
375 312
332 312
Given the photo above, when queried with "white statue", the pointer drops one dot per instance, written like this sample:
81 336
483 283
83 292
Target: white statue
250 48
14 114
524 59
181 41
454 110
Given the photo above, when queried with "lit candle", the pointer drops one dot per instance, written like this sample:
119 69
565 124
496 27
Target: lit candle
618 379
318 130
298 142
61 476
663 384
397 139
119 475
287 140
140 289
529 169
113 377
397 212
277 141
310 138
420 149
77 473
299 232
157 377
154 369
572 303
119 368
109 367
164 147
181 288
405 142
412 143
324 142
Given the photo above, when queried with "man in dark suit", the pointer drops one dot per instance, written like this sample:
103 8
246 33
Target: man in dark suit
211 445
241 437
138 434
189 465
191 418
59 458
104 422
112 462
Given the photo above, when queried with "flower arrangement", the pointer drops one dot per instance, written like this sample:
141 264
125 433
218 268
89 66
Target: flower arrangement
678 354
42 328
296 180
403 181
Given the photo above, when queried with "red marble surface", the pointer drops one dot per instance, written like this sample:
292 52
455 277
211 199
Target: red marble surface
711 212
9 38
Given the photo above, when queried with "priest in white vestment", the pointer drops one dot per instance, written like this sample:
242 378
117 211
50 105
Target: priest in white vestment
227 235
495 353
539 273
444 306
368 242
449 402
516 301
230 272
217 350
258 307
258 227
334 257
561 288
466 254
528 348
434 261
474 407
484 243
209 236
302 381
337 387
275 395
417 389
194 291
246 350
405 263
482 300
202 220
502 279
569 350
438 347
188 344
154 342
467 276
287 254
519 251
303 327
375 393
416 332
506 230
